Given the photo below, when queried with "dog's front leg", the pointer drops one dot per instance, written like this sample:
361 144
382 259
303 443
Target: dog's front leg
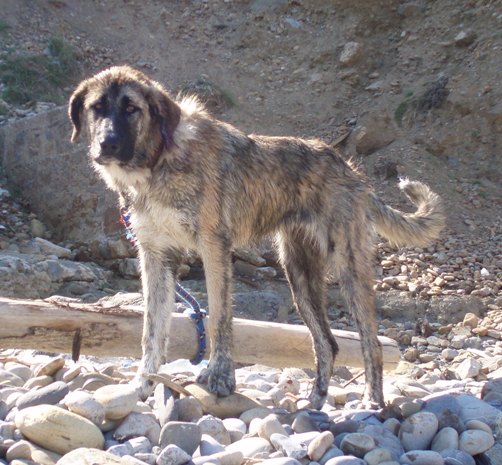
219 376
159 295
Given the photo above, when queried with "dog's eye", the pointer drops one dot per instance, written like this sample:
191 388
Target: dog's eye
98 106
130 109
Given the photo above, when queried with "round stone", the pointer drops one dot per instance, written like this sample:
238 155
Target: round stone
270 425
460 456
118 400
215 428
57 429
318 447
183 434
138 424
418 430
86 456
251 447
82 403
446 438
421 457
50 394
357 444
377 455
173 455
476 441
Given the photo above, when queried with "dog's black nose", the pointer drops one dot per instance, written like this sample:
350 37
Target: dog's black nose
110 145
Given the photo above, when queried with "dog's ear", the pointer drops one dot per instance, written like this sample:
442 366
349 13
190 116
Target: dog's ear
167 112
75 108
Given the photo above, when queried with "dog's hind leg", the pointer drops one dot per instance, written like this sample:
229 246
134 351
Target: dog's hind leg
159 296
305 266
353 268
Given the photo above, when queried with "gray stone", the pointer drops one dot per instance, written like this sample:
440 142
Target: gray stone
469 368
270 425
492 456
138 424
377 456
89 456
288 446
476 441
421 457
418 430
173 455
48 248
346 460
463 458
384 438
332 452
303 423
236 428
118 400
83 404
213 426
164 405
251 447
139 445
185 435
357 444
50 394
189 409
446 438
281 461
120 450
318 447
466 406
351 53
209 446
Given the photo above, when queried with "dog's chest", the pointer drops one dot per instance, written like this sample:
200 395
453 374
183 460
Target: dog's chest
161 226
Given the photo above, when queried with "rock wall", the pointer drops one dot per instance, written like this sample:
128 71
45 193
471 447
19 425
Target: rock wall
56 177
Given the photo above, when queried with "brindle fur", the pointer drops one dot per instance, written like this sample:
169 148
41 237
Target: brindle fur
193 182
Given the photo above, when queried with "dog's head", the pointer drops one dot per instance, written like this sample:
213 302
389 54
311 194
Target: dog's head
129 117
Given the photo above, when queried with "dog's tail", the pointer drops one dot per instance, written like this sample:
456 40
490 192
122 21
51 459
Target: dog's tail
418 228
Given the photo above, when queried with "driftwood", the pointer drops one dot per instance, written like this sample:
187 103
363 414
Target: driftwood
95 330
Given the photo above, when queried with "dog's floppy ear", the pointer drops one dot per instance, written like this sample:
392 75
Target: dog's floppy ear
75 108
167 112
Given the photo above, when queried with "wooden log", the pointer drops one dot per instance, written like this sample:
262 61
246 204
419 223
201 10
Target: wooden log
106 332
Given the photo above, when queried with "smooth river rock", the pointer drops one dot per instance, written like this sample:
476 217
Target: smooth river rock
57 429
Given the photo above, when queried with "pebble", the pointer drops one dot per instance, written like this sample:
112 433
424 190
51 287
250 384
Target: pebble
83 404
446 438
138 424
185 435
89 456
50 394
57 429
118 400
357 444
421 457
476 441
319 445
418 430
173 455
268 426
288 446
251 447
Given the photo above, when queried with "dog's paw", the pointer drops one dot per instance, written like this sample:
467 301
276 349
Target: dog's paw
219 377
144 387
317 399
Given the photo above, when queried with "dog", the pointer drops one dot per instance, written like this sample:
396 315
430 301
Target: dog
192 182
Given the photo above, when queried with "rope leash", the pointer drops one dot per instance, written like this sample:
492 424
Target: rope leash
196 313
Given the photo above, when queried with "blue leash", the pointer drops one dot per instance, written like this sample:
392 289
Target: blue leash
196 313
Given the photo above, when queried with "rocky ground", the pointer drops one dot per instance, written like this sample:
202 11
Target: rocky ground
444 401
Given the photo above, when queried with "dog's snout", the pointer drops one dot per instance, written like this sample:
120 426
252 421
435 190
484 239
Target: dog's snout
110 145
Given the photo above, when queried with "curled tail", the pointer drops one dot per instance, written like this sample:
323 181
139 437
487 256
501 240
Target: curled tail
418 228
